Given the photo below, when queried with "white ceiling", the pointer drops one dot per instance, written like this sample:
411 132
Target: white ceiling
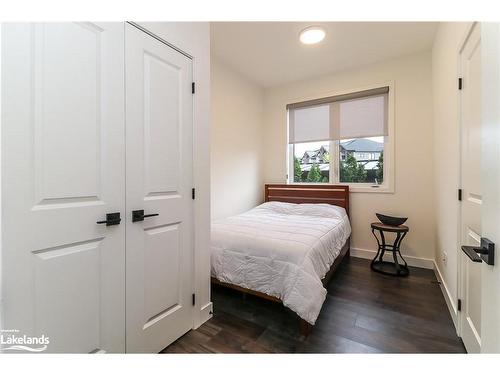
270 54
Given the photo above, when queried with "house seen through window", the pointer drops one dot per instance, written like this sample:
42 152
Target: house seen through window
339 139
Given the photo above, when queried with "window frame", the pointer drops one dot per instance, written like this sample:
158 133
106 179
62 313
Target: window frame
389 155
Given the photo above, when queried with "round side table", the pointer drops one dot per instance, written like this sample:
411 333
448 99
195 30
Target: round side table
381 266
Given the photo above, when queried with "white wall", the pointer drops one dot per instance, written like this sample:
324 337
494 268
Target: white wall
237 107
411 76
194 39
447 152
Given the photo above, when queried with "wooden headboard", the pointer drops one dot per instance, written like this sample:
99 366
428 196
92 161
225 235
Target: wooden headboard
337 195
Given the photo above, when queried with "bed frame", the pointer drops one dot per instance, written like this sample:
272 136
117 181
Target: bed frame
337 195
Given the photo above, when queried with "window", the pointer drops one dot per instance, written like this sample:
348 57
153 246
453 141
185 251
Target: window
311 162
340 139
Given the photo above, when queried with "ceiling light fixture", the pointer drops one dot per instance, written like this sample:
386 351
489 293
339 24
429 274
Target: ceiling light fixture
312 35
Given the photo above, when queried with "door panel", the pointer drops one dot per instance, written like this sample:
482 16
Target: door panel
161 263
58 307
470 284
159 181
162 164
63 170
67 76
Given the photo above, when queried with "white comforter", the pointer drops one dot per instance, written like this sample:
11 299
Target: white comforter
281 249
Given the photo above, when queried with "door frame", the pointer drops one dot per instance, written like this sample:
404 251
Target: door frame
460 291
193 101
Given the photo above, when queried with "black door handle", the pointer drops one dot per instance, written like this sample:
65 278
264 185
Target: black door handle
471 252
138 215
484 253
111 219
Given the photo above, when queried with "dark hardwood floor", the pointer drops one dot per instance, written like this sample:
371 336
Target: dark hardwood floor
365 312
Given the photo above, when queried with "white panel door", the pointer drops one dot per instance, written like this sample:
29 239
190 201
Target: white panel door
470 273
159 181
63 170
490 129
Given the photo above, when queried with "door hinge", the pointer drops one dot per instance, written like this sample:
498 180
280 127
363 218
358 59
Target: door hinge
193 193
459 194
193 87
460 83
459 305
194 299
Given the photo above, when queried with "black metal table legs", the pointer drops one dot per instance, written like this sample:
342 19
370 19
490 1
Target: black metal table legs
389 268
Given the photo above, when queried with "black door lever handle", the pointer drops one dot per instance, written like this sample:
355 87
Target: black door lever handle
471 252
484 253
111 219
138 215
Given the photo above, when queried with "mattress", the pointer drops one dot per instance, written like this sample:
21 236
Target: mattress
281 249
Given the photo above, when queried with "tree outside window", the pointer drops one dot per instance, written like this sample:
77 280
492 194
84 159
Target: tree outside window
351 171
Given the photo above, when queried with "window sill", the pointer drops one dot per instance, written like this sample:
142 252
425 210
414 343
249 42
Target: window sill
382 189
355 188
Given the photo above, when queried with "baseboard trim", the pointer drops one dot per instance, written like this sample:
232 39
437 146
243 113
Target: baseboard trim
450 301
412 261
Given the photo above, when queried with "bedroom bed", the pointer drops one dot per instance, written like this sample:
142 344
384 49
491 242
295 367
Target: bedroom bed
287 249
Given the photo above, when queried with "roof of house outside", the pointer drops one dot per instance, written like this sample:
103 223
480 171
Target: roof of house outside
370 165
362 145
322 167
314 153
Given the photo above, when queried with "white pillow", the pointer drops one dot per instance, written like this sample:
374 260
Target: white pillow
305 209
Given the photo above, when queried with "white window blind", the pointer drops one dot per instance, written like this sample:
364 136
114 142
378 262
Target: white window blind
360 118
309 124
356 115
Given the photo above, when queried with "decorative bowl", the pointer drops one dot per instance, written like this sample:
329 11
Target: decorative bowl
391 220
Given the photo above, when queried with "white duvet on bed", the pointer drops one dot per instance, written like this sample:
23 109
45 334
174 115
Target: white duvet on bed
281 249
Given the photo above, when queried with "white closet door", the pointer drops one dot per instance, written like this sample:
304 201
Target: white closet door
472 203
159 120
63 170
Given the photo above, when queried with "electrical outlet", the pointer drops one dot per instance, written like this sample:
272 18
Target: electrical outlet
445 256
